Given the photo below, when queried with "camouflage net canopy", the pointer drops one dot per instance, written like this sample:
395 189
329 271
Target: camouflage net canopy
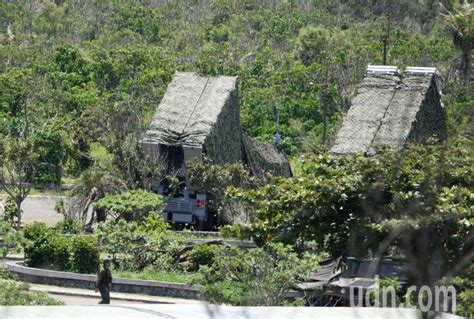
197 112
201 116
391 110
264 158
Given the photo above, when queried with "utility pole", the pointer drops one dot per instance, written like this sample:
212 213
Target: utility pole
277 136
385 42
325 103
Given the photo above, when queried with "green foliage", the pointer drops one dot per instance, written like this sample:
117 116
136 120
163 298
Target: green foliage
138 244
12 240
153 224
13 293
254 277
202 255
242 232
37 251
213 180
49 145
10 210
17 169
464 285
36 231
6 274
69 226
102 67
85 256
312 42
78 253
60 252
384 203
130 205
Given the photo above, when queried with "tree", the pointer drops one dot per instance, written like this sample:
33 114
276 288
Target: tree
256 276
12 240
416 202
460 23
17 170
131 205
213 180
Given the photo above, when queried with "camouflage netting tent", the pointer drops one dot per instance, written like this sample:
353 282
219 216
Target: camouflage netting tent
391 110
196 113
201 116
264 158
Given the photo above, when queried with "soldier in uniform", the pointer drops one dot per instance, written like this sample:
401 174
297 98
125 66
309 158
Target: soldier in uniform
104 282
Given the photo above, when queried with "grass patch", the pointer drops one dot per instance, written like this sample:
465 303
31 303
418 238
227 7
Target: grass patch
191 235
151 274
48 192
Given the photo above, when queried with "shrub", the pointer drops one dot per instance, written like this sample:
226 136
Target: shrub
130 205
153 224
7 274
12 240
60 247
37 250
85 255
138 244
69 226
78 253
13 294
36 231
242 232
256 276
10 210
202 255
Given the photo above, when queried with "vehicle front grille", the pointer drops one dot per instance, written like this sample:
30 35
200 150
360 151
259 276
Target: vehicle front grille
179 205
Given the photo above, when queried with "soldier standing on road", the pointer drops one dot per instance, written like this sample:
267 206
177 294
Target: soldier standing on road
104 282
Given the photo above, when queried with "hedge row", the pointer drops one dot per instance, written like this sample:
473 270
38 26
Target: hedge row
76 253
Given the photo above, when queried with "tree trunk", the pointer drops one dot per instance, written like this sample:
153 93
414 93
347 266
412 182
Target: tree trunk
18 208
466 65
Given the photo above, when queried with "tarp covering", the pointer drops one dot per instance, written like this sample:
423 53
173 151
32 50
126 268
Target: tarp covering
200 112
390 110
264 158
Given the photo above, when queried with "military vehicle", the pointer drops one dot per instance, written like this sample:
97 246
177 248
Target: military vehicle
200 117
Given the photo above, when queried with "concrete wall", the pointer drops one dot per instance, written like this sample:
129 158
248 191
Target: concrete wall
66 279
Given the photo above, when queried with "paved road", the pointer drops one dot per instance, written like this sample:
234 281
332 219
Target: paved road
78 296
208 312
88 301
39 208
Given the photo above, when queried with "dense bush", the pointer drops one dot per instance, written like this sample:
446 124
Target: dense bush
13 293
37 250
61 252
255 276
12 240
69 226
85 256
202 255
388 203
79 253
138 244
130 205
